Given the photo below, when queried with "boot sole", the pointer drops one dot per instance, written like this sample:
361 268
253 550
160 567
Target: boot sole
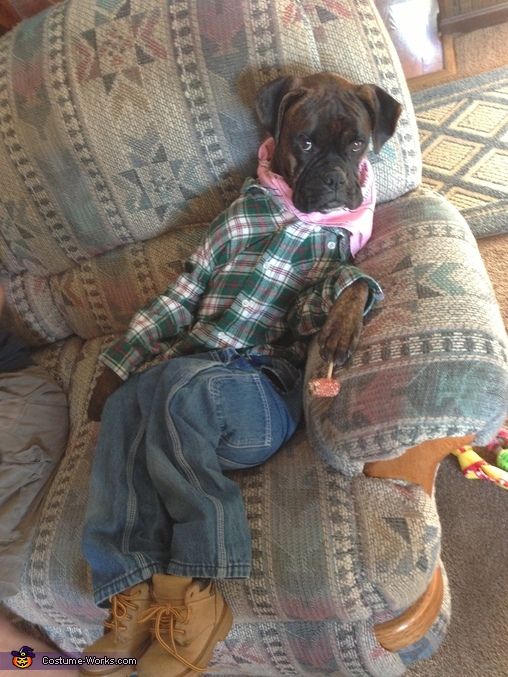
122 670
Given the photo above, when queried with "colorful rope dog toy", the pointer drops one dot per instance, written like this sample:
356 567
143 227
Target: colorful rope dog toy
500 446
474 467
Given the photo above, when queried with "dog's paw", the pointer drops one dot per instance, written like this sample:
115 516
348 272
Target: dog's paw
341 332
106 385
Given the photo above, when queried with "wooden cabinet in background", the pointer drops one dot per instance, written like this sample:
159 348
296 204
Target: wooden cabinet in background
463 16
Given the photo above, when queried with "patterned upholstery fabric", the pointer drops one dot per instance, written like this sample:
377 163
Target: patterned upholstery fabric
433 355
332 555
127 126
100 295
13 11
190 73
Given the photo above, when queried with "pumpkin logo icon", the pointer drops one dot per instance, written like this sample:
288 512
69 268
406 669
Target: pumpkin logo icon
23 658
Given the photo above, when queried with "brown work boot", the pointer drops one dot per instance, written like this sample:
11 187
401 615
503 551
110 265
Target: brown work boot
124 636
187 620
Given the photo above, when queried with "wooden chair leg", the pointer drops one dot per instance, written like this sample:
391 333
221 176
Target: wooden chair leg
418 465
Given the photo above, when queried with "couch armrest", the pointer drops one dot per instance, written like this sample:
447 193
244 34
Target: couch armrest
417 465
432 361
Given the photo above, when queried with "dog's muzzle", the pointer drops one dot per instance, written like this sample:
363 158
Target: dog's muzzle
325 188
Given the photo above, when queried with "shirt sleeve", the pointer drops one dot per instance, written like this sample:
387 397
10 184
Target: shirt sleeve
313 305
164 317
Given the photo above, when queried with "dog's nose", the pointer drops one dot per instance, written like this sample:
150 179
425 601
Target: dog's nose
335 178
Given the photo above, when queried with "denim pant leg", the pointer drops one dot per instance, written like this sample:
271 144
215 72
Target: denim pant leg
229 416
176 512
127 529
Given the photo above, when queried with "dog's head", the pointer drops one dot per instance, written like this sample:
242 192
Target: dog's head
322 125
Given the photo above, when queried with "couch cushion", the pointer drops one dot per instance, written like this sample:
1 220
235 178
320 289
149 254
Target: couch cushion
31 312
269 649
101 295
33 428
123 120
433 357
323 548
368 545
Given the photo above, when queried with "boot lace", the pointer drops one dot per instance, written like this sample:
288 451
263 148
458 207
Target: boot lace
120 606
165 618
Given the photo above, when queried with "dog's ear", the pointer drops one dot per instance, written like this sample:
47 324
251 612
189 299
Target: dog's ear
273 100
384 112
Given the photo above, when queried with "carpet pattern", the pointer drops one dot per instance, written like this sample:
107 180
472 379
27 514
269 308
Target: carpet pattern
464 137
478 586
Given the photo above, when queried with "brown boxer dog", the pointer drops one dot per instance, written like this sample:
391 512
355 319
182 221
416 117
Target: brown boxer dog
322 125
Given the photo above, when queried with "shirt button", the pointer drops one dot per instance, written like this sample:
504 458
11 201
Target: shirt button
221 335
331 245
245 303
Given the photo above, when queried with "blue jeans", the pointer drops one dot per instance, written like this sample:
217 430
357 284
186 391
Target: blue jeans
159 501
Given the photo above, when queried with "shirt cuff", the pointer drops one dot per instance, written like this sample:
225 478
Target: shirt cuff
348 276
122 358
375 293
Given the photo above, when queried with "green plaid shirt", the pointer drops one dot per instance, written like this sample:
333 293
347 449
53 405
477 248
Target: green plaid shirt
261 281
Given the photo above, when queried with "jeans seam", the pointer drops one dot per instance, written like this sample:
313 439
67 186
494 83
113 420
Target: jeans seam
132 501
202 565
231 570
192 477
264 399
119 581
214 393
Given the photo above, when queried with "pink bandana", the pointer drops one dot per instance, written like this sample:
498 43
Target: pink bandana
357 221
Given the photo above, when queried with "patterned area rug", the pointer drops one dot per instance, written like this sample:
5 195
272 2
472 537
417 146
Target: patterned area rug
464 137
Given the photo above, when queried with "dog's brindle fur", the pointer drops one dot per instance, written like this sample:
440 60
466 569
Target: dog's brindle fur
322 125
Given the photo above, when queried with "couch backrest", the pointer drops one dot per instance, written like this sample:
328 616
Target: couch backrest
126 126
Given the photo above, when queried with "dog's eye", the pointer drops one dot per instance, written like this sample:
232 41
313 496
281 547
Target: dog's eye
357 145
305 143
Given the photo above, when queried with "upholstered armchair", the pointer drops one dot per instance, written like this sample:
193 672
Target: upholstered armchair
126 127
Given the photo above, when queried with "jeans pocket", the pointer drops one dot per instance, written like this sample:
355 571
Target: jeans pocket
243 409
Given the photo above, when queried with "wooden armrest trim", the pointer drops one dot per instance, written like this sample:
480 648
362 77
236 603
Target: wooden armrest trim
414 623
418 464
